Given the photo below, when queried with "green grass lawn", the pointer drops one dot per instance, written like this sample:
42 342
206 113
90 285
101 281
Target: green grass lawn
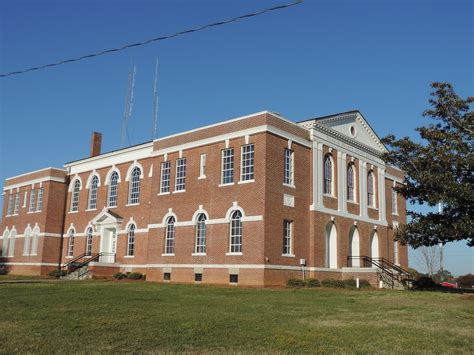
97 316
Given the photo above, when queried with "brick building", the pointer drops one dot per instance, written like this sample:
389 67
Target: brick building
254 200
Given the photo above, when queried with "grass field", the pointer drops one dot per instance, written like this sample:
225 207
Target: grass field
96 316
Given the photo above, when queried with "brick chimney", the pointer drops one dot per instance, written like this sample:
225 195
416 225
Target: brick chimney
96 142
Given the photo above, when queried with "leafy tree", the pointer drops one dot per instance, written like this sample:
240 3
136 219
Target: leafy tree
438 170
443 276
466 281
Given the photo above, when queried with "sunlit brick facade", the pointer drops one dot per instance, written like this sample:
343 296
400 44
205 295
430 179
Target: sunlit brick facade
253 201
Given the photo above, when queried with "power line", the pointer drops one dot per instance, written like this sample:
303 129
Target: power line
156 39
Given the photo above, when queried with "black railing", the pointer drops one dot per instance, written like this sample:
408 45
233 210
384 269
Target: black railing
80 261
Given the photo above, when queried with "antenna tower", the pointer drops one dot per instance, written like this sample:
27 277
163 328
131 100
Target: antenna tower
155 102
127 113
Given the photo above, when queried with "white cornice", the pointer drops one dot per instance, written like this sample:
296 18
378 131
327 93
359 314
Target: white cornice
34 181
34 172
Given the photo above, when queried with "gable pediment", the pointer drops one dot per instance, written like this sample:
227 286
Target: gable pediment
107 217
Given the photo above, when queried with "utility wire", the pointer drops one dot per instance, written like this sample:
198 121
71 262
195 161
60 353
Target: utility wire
156 39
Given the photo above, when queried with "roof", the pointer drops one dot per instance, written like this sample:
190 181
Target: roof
329 116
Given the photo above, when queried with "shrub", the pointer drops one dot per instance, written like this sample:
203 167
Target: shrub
57 273
313 283
363 283
295 283
119 276
135 276
350 283
424 283
333 283
3 270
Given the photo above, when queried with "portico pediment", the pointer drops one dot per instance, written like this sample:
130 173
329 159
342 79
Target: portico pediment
107 217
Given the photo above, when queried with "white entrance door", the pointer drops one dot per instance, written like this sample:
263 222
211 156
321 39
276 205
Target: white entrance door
354 247
108 245
374 246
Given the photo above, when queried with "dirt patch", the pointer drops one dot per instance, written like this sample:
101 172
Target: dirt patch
468 297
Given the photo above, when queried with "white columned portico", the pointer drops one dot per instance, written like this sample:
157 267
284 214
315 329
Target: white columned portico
107 225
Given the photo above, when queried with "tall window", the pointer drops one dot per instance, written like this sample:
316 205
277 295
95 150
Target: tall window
34 241
89 235
10 204
370 189
113 190
11 243
227 169
202 166
165 177
39 202
74 196
131 240
236 232
287 237
180 174
32 201
394 202
27 241
328 175
17 203
134 188
93 193
247 162
70 243
350 183
288 178
201 234
170 232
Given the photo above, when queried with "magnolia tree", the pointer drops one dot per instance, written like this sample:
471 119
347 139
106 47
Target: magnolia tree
438 169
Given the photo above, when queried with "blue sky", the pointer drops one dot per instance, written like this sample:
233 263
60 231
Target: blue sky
313 59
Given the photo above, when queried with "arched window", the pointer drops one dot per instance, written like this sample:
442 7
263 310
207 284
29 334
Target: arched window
236 232
134 188
75 196
6 235
11 243
370 189
131 240
328 175
113 190
170 233
34 241
89 235
93 193
201 234
350 183
27 241
70 244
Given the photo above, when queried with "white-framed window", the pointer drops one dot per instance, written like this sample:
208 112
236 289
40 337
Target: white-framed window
236 232
288 178
70 243
27 241
328 175
39 202
89 240
131 240
247 162
200 234
370 189
113 190
202 166
93 193
34 241
180 175
11 243
170 234
6 235
165 177
10 205
134 187
351 183
287 237
227 166
74 196
16 209
394 202
32 201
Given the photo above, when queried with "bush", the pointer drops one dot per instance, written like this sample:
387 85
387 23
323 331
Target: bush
363 283
135 276
297 283
313 283
350 283
119 276
333 283
57 273
3 270
424 283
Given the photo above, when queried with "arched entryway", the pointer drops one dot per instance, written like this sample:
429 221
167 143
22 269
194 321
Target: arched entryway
331 246
374 245
354 248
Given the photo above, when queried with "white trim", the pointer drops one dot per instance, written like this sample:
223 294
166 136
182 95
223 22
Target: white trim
171 254
234 254
198 254
109 173
245 181
133 166
28 264
34 181
228 184
34 172
393 178
347 215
